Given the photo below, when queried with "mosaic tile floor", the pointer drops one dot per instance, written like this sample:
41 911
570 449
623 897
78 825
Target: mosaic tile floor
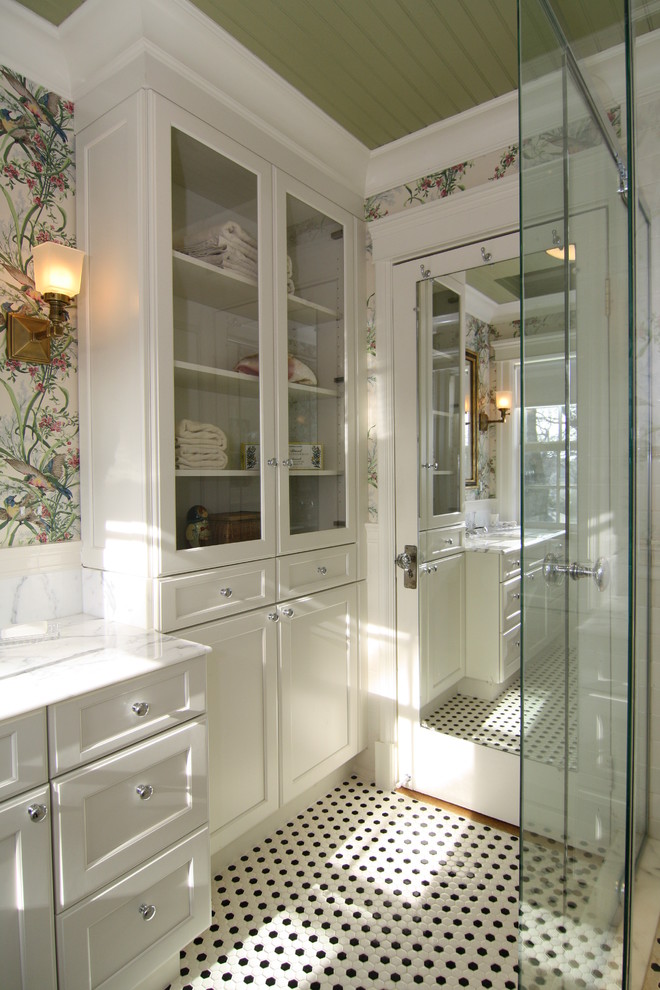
497 723
364 889
652 981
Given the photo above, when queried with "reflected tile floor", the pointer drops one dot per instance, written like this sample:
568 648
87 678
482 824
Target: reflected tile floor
497 723
364 889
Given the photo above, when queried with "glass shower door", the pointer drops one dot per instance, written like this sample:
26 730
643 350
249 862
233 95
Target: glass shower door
576 488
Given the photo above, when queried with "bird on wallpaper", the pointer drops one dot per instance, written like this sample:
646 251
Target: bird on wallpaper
14 508
39 109
18 129
37 479
21 512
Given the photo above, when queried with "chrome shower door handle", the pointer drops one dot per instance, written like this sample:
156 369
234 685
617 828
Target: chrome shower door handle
553 571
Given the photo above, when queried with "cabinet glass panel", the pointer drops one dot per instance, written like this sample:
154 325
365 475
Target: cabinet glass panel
445 415
316 387
216 347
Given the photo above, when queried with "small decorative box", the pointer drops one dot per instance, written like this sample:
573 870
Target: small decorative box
305 456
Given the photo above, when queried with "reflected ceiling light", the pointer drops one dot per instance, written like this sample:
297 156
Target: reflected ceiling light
504 405
557 249
57 275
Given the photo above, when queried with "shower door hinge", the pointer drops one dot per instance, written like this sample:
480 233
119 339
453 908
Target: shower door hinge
607 297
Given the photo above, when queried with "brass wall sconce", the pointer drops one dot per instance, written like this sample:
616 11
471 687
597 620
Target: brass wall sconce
504 404
57 274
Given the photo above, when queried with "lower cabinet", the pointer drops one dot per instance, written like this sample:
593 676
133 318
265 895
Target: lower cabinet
283 696
442 626
27 934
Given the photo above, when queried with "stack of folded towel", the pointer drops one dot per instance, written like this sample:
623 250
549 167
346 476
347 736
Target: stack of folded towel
226 245
290 285
200 446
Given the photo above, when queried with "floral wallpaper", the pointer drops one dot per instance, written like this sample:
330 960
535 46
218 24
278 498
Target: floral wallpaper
436 185
39 453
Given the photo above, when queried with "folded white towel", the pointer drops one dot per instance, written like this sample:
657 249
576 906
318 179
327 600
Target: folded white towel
232 229
190 429
290 287
220 245
209 462
289 266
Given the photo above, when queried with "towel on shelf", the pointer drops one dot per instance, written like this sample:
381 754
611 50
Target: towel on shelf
297 371
233 231
214 237
190 429
212 461
290 287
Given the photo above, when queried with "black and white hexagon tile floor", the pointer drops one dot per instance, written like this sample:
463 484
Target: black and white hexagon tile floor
375 890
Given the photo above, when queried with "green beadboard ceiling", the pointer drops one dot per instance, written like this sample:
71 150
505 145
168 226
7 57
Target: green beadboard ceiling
386 68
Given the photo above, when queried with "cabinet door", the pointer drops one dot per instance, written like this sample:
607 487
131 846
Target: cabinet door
441 628
242 722
215 390
319 686
315 359
27 939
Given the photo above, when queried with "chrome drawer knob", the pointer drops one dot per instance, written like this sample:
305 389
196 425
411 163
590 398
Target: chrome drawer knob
449 542
274 616
288 612
148 911
144 791
141 708
516 595
322 570
226 592
37 812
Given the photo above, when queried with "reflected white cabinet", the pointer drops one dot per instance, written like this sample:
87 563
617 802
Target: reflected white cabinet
218 378
27 934
441 627
264 751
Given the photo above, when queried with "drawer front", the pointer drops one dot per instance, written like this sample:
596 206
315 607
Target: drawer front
510 564
90 726
440 542
116 938
305 573
194 598
114 814
510 598
510 657
23 753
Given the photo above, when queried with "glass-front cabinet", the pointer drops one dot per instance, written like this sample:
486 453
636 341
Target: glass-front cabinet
443 418
315 369
255 385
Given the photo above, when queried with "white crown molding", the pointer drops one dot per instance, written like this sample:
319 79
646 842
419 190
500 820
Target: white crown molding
468 135
30 46
97 39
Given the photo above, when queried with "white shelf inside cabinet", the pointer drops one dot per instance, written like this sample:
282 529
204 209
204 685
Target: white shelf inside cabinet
191 473
329 393
216 287
200 376
315 471
303 311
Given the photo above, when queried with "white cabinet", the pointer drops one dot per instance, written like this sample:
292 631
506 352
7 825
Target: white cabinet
493 613
441 627
233 435
284 690
27 934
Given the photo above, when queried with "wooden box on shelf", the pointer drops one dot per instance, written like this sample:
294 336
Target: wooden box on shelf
234 527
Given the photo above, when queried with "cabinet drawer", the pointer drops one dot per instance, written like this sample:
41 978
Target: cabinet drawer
510 658
114 814
117 937
92 725
194 598
23 753
510 598
305 573
510 564
439 542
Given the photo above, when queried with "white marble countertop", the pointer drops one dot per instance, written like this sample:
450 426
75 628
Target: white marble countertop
47 662
501 541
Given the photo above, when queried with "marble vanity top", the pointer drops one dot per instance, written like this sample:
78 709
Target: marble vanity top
501 541
42 663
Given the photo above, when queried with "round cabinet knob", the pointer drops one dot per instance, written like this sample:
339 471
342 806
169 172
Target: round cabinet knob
141 708
274 616
322 570
226 592
144 791
288 462
272 462
37 812
516 595
288 612
148 911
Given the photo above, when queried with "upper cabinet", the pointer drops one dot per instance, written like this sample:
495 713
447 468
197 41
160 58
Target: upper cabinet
235 407
442 394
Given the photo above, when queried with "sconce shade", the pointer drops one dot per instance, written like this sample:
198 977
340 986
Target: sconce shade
558 252
57 269
504 400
